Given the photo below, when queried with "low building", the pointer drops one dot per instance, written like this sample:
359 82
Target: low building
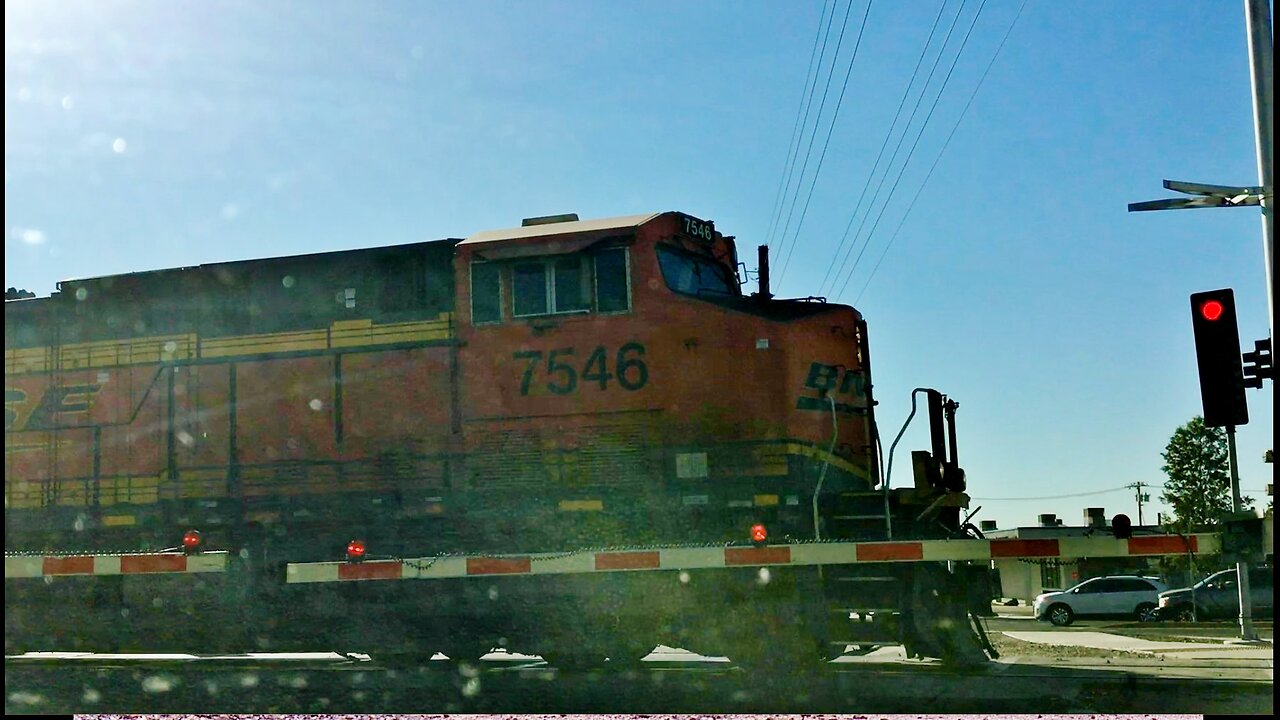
1025 579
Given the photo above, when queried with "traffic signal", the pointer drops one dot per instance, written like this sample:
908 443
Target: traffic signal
1213 318
1257 364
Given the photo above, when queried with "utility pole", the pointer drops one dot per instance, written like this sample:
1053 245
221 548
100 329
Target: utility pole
1141 497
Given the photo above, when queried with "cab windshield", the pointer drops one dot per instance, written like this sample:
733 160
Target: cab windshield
687 273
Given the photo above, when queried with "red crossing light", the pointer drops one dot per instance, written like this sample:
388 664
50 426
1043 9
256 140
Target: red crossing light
191 540
355 550
758 533
1211 310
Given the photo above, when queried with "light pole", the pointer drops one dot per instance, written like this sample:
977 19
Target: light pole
1257 14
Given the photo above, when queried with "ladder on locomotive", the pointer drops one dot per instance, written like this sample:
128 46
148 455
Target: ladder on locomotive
863 601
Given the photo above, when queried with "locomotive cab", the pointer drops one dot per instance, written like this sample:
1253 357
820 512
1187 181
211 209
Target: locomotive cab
613 374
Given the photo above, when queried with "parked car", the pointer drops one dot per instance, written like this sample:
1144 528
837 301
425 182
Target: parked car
1113 596
1217 597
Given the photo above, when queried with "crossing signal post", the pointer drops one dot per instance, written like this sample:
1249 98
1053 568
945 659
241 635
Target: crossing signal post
1213 319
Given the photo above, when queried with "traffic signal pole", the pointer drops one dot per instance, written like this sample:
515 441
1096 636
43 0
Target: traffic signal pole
1247 633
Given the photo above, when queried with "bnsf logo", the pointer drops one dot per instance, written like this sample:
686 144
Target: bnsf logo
54 404
835 380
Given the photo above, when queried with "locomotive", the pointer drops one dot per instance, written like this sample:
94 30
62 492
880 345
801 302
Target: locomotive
545 389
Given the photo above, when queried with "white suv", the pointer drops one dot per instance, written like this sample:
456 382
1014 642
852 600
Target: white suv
1114 596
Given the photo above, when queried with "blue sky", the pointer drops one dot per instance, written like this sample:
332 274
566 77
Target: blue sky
148 134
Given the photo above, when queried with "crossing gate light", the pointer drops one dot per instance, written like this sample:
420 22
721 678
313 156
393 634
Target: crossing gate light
191 541
1122 526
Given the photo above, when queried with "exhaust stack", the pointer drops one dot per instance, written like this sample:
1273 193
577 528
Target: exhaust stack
764 272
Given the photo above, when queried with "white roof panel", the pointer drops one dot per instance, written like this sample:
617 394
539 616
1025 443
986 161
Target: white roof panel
617 223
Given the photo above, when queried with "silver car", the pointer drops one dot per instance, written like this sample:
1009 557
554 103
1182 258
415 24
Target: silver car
1112 596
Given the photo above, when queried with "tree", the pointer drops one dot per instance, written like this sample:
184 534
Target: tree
1199 485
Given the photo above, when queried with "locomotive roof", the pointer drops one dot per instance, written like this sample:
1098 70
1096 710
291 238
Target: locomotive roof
561 228
335 255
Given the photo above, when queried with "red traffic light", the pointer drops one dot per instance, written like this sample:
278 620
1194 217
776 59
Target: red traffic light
759 533
1211 310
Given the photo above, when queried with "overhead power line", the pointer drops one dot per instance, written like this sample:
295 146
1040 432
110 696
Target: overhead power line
808 153
1052 497
945 145
897 115
911 153
784 178
795 240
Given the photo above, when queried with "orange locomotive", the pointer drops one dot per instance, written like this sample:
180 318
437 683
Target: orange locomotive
562 385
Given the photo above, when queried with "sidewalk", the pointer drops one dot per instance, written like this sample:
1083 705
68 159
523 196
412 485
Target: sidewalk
1109 641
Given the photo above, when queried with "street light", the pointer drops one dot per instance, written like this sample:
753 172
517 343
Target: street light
1206 196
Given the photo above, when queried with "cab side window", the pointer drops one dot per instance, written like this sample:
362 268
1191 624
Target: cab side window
486 293
529 289
613 289
578 283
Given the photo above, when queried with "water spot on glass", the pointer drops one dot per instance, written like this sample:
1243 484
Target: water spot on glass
91 696
684 577
471 687
118 146
211 687
230 211
80 523
159 684
249 680
185 438
764 576
68 102
157 602
30 236
288 281
315 404
170 346
493 593
82 294
25 698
